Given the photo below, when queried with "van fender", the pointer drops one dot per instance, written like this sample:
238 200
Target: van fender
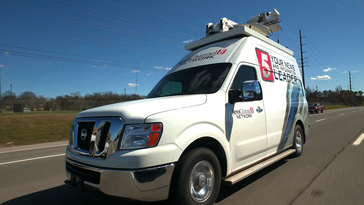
201 130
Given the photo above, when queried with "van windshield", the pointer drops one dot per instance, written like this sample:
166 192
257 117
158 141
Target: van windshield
205 79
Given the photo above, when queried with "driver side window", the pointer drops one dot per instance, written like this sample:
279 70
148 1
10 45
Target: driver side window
244 73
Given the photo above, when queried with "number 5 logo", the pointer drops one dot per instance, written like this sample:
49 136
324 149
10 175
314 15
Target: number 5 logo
265 65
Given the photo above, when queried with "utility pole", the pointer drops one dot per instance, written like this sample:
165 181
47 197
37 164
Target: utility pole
302 67
1 97
351 97
136 80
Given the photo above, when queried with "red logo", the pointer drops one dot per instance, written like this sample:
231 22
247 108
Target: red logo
265 65
220 52
252 110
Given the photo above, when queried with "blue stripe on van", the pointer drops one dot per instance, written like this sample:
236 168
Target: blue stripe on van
291 116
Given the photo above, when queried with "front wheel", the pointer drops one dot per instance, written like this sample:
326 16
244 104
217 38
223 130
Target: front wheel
199 178
298 140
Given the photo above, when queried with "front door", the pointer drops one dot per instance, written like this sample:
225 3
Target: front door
247 122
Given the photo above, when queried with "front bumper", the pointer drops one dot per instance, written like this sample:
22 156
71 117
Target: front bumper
150 184
312 110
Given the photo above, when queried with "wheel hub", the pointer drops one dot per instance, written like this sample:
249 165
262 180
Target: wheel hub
298 140
201 181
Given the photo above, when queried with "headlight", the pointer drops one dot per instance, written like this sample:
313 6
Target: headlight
140 136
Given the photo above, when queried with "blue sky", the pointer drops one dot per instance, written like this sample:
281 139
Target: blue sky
57 47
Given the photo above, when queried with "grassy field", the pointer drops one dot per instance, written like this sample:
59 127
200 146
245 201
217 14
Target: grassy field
330 107
35 127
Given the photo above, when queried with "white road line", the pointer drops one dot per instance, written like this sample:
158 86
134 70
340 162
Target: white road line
342 114
19 150
359 140
31 159
321 120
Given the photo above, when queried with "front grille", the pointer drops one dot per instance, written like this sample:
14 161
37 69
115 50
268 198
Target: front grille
103 135
96 137
84 141
85 174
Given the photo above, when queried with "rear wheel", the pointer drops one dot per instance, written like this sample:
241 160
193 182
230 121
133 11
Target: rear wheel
298 140
199 177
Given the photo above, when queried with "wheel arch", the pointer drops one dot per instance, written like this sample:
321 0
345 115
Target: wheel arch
300 123
214 146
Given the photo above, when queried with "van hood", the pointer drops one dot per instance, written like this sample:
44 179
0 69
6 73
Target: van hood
138 110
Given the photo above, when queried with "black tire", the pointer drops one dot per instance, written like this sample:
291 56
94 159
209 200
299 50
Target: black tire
298 140
322 111
198 170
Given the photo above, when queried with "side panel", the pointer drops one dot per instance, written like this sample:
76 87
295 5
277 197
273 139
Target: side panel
283 94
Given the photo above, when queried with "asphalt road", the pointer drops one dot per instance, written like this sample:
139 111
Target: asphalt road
330 171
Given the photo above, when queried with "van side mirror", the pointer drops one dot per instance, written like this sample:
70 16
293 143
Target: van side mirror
251 90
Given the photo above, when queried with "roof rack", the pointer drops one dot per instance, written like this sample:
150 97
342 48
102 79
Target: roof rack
241 31
265 24
258 26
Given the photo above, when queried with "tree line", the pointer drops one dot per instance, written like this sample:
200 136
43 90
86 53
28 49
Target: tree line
74 101
338 97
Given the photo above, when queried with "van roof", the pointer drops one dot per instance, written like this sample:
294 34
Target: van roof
241 31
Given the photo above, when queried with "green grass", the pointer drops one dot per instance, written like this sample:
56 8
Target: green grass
35 127
330 107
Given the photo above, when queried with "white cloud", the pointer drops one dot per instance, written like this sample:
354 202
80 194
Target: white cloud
2 66
132 85
6 53
323 77
161 68
135 71
329 69
344 72
188 41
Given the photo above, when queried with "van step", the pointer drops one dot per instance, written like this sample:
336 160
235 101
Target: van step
247 172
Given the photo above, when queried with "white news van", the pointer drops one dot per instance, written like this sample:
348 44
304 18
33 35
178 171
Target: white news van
231 107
